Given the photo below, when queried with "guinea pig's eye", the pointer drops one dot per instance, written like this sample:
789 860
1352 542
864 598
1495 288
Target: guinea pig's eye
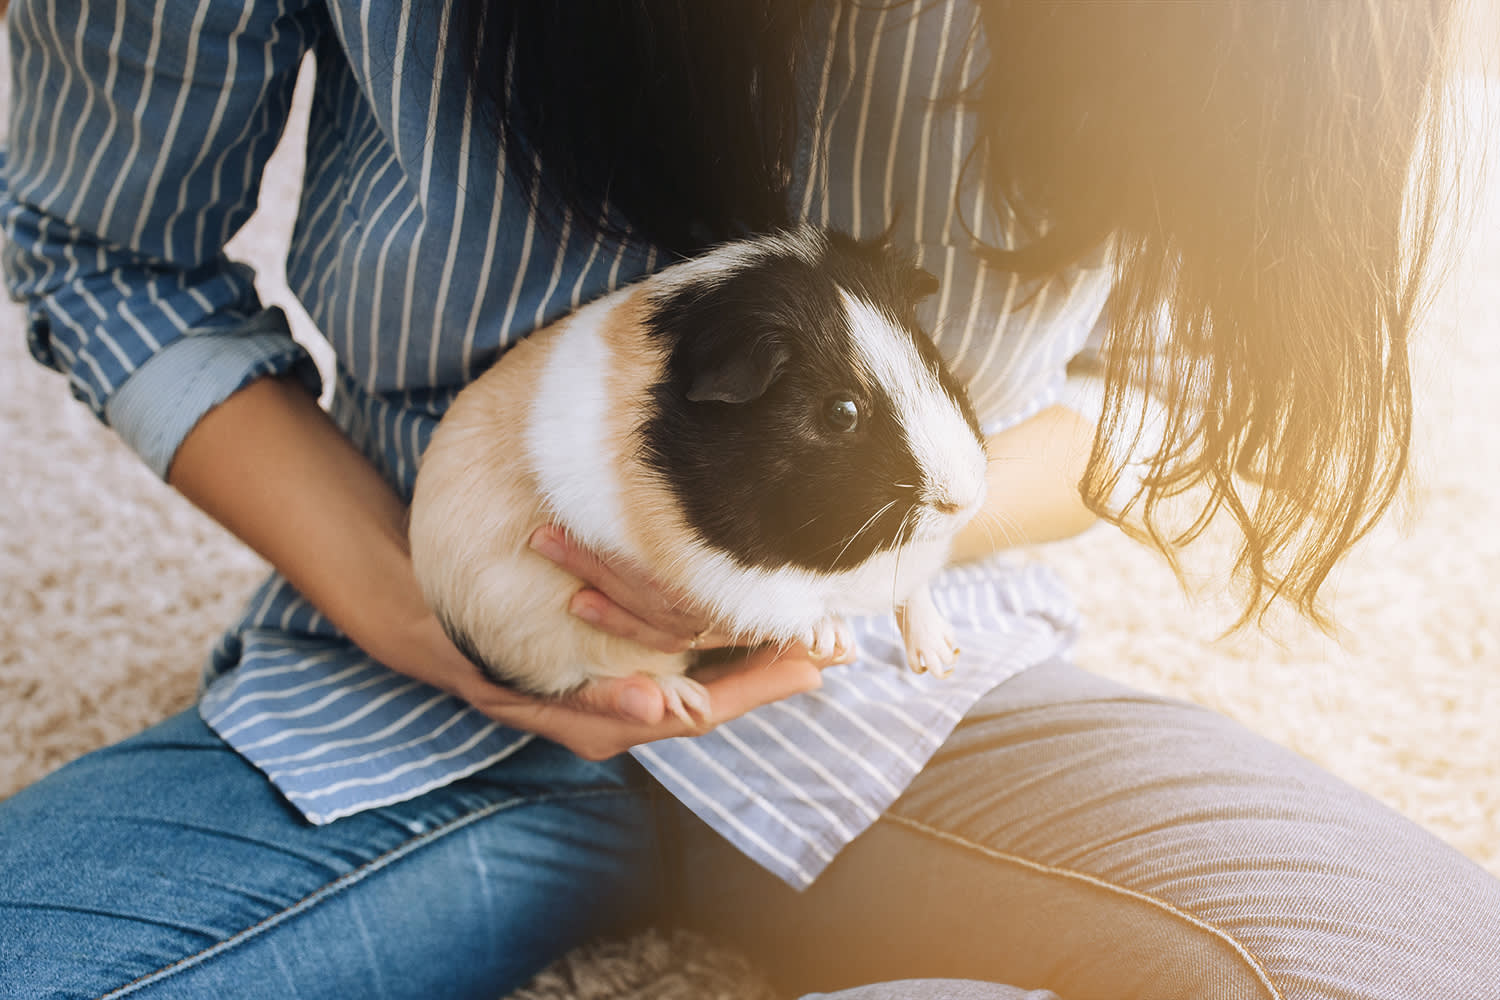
840 413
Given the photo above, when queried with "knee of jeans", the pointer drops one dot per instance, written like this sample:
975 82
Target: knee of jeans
915 900
1191 855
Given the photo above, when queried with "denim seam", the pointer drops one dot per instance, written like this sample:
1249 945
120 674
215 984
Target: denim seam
341 883
1163 905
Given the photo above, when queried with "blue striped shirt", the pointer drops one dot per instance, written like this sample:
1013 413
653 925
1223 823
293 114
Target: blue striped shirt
139 134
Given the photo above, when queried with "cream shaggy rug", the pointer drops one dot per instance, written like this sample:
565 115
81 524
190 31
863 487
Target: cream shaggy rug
112 589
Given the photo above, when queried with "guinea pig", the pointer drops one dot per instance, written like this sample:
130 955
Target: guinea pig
764 428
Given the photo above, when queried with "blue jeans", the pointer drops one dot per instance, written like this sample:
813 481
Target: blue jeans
168 863
1072 836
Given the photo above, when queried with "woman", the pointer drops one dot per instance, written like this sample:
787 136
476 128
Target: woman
354 811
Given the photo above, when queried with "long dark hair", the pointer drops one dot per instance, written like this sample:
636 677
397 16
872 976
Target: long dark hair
676 118
1271 175
1274 175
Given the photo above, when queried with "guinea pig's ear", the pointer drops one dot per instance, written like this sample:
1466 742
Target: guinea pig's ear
923 283
740 374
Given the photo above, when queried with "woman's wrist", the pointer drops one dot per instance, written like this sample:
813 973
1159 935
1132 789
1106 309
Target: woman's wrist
417 646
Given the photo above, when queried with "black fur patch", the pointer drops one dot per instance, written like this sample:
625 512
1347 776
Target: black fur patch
766 479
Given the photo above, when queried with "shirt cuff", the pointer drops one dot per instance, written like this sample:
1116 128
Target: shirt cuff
164 399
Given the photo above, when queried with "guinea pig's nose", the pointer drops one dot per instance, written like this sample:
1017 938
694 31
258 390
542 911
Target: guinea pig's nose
947 506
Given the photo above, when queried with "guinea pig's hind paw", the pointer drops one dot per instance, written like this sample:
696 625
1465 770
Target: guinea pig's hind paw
685 698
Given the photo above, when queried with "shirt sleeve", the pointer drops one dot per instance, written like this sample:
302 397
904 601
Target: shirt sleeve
138 135
891 150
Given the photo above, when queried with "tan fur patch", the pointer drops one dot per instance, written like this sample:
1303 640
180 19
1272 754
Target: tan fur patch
654 527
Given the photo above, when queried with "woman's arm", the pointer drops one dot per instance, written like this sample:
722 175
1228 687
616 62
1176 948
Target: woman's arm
271 467
1035 469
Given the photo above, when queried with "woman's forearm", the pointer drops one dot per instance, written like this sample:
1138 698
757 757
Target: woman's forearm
1034 471
270 466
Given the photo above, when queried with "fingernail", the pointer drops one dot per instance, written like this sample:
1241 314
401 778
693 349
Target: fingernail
546 543
587 611
638 705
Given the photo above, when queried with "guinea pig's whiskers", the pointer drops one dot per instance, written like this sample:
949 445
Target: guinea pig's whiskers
868 521
1011 532
995 524
983 521
901 531
807 524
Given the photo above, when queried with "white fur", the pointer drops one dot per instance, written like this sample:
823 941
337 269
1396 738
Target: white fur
787 603
937 433
804 243
544 435
565 433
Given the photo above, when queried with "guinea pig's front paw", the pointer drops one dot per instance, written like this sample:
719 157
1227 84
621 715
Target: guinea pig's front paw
930 644
830 638
685 697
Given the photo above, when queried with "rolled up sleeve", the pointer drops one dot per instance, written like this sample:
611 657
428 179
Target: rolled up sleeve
167 396
138 136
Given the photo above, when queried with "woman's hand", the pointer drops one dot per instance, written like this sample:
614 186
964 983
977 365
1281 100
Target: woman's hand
620 599
609 716
270 466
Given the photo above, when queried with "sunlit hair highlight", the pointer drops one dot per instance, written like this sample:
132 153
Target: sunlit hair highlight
1274 176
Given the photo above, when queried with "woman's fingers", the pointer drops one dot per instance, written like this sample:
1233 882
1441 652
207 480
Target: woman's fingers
759 677
624 601
601 721
610 716
635 700
596 608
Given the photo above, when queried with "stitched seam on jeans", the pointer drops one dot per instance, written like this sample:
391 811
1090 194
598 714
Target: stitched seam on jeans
341 883
1163 905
